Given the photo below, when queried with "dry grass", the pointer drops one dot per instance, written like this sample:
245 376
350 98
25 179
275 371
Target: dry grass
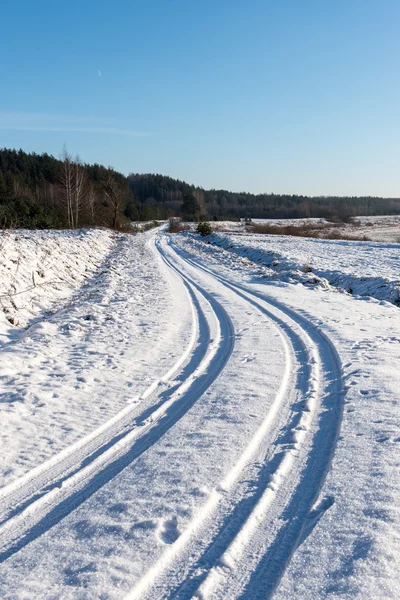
310 230
319 231
177 226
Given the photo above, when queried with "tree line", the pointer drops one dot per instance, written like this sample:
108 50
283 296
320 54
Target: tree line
41 191
220 204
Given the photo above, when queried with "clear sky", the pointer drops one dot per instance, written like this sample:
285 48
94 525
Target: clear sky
296 96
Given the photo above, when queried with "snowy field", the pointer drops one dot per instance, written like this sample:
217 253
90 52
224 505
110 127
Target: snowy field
360 268
379 229
207 418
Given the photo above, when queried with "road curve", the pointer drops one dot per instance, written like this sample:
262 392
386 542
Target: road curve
240 534
240 542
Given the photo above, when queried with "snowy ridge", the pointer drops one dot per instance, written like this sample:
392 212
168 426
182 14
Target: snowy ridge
360 268
40 268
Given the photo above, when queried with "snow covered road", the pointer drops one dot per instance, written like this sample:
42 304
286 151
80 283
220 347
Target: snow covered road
211 470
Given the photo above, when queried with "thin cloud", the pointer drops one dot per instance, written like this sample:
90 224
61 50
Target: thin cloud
63 123
99 73
108 130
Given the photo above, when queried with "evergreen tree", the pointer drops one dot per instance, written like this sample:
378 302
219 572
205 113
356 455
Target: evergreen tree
190 209
3 187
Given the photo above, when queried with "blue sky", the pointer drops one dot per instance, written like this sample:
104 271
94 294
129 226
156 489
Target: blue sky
296 96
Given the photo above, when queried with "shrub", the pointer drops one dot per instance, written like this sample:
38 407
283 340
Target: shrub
204 229
176 226
150 225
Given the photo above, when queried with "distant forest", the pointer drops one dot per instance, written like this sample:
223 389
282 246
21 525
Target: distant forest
40 191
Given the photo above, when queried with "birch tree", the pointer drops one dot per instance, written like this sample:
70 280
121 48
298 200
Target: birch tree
67 182
72 179
78 191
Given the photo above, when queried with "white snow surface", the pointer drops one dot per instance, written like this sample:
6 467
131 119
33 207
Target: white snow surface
199 422
361 268
71 370
378 228
354 551
39 269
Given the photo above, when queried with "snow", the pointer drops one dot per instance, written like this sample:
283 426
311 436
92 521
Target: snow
384 228
51 373
39 269
381 229
377 228
207 420
361 268
355 551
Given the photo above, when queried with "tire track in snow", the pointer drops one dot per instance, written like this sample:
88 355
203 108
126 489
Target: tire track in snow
40 499
53 471
266 565
224 551
292 508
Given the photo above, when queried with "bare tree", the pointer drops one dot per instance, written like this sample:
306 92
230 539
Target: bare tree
72 179
67 182
79 184
113 193
91 201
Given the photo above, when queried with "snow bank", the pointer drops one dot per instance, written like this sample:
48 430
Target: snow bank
39 268
70 372
360 268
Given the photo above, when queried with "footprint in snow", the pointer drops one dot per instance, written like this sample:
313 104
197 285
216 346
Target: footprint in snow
168 531
247 359
79 576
